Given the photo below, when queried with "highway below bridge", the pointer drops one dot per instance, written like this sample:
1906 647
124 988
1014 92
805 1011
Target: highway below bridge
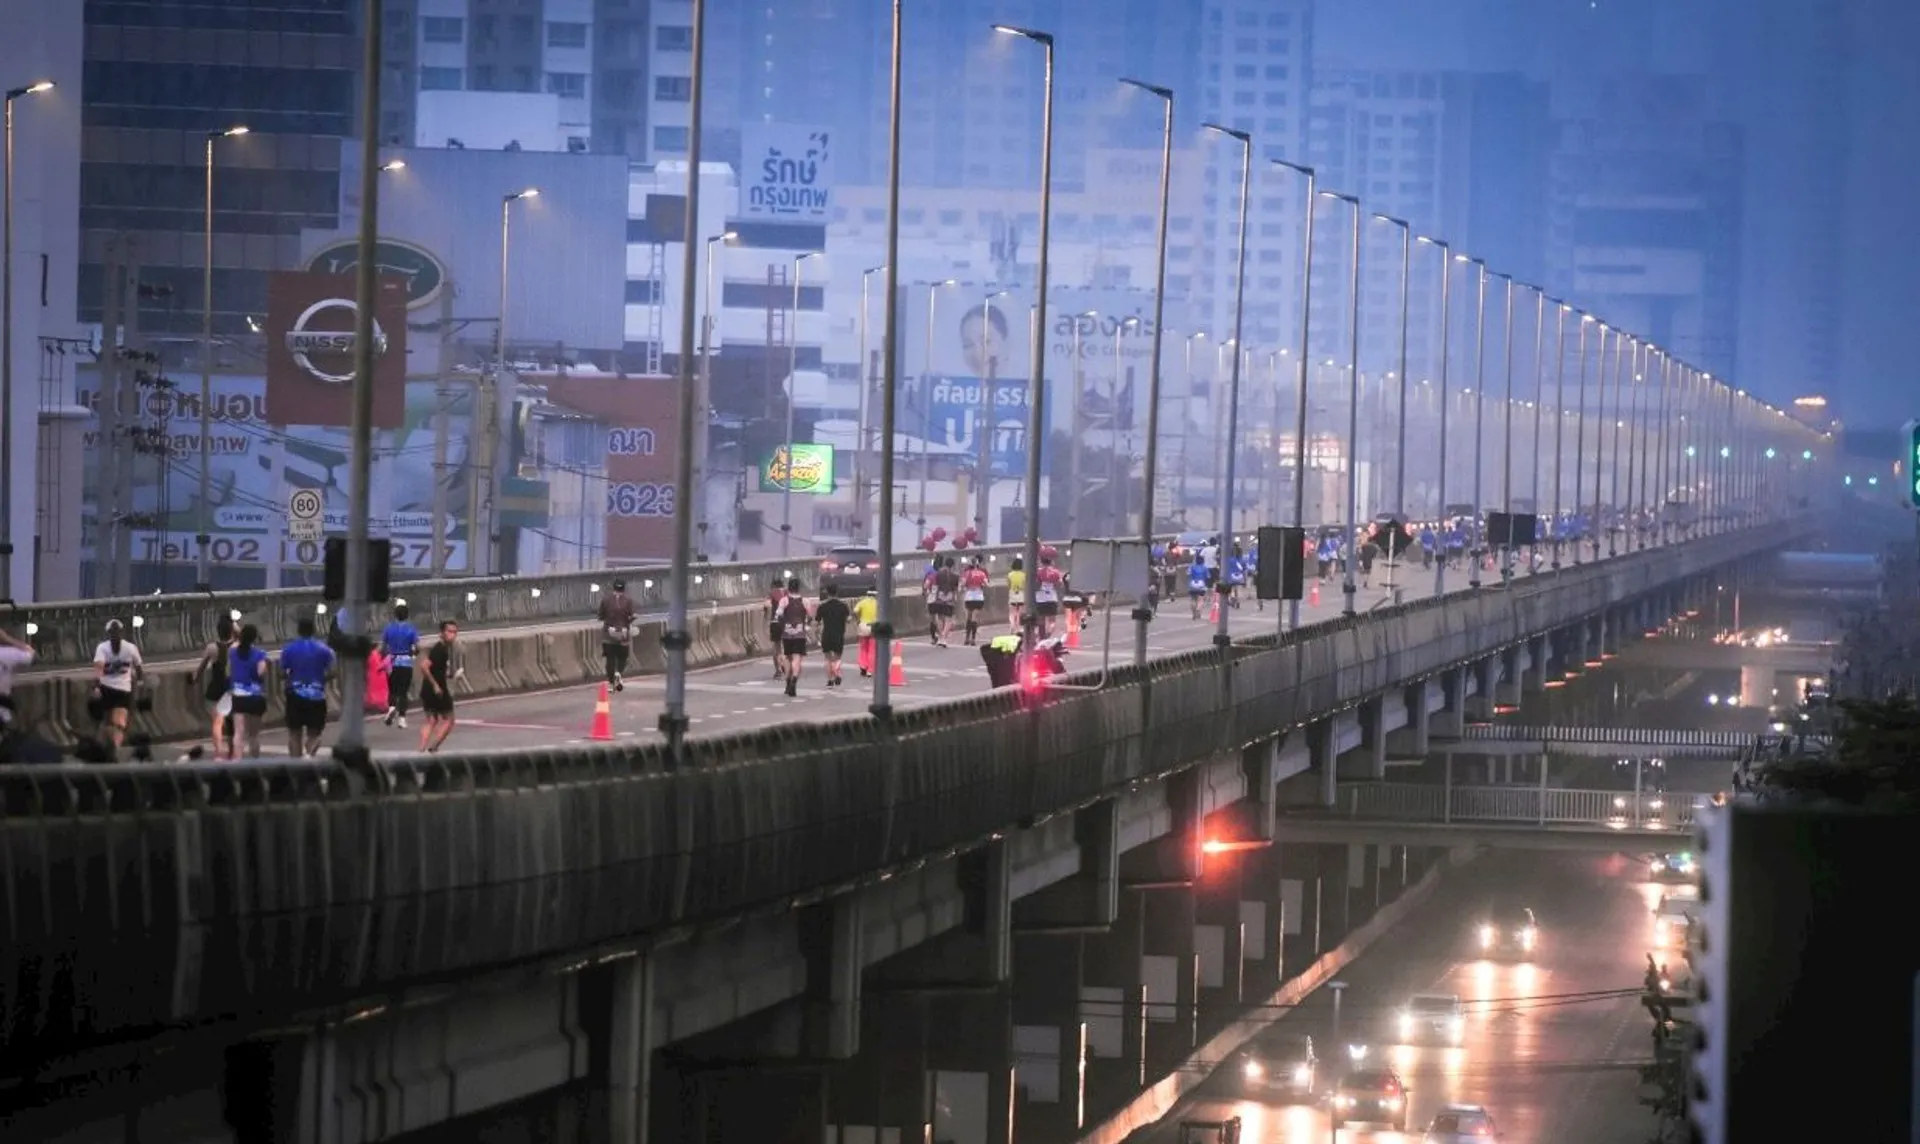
850 924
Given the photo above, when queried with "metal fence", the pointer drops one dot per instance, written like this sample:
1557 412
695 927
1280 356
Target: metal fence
1528 805
1601 736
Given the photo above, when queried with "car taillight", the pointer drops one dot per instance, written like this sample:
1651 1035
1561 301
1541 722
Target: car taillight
828 565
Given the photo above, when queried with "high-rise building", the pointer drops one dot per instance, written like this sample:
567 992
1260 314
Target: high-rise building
162 84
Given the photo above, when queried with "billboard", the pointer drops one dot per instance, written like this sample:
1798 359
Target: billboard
310 350
800 468
786 172
255 465
421 272
642 419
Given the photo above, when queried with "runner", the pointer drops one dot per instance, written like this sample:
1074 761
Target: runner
1233 573
1196 584
793 635
247 675
776 603
1046 595
14 655
211 676
1016 592
616 623
946 589
866 610
973 594
832 616
305 664
436 690
117 666
400 643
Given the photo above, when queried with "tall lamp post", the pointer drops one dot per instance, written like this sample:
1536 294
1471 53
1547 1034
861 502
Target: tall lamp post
1400 439
1539 401
1477 538
204 538
1037 384
863 437
793 388
676 640
1349 587
926 399
1221 638
984 420
8 423
703 401
497 379
1580 449
1580 431
1143 615
1447 257
1311 201
1506 429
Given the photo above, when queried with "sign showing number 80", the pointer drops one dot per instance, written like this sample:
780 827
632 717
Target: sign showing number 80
642 498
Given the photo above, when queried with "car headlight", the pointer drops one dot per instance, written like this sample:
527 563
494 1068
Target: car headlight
1486 936
1302 1074
1528 936
1457 1028
1658 803
1619 803
1391 1104
1255 1070
1656 866
1344 1101
1406 1024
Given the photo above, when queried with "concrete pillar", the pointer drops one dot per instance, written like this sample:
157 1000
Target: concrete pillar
1326 761
282 1091
622 1063
1113 1007
971 1061
1506 693
1610 621
883 1094
1220 936
1302 902
1170 970
1414 740
1372 755
1448 720
1263 921
1756 687
1486 676
1049 1036
1578 645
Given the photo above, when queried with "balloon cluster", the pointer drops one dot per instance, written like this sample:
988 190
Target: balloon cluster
931 541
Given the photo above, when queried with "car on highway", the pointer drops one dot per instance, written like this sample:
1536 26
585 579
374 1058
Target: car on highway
1370 1096
1282 1064
1508 931
1671 920
1460 1124
853 570
1676 867
1432 1018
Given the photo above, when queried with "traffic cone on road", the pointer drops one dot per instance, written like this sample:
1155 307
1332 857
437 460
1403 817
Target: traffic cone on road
897 670
1073 627
602 730
1213 617
1313 594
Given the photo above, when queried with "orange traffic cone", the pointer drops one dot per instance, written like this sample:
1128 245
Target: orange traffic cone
1213 617
602 730
1073 627
1313 594
897 670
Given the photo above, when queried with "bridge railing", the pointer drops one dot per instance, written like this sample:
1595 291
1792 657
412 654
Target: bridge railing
179 624
1519 805
1625 736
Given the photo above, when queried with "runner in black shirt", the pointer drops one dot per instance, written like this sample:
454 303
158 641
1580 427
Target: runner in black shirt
946 589
832 615
794 620
436 690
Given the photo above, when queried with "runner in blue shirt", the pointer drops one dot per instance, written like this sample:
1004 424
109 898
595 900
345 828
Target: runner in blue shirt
1197 583
1234 574
400 643
246 679
305 664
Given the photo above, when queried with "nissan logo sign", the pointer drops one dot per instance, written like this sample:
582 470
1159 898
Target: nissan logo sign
327 354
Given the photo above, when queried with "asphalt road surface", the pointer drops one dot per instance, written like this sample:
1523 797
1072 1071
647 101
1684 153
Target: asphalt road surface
746 696
1548 1051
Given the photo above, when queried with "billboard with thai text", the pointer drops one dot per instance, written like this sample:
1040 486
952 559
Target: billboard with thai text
642 419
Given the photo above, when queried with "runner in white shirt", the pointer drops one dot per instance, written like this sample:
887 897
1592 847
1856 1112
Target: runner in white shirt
117 666
14 655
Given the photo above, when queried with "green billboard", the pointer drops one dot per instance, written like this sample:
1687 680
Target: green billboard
798 468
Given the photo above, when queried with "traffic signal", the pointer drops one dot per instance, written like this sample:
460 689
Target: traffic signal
1911 434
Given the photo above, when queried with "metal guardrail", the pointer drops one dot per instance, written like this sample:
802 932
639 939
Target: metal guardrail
1518 805
1600 736
181 624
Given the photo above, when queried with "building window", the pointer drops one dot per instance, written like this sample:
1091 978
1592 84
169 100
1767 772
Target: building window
670 140
642 291
439 79
673 38
567 85
673 88
442 29
566 34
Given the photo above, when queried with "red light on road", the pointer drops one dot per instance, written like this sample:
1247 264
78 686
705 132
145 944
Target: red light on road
1213 846
1230 846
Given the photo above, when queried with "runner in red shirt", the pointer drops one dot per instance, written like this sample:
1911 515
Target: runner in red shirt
1046 595
973 593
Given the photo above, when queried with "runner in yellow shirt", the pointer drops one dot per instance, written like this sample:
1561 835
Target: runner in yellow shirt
865 611
1016 592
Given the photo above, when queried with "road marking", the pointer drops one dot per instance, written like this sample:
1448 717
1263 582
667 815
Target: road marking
512 726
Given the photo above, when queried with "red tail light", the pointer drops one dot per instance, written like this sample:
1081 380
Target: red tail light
829 565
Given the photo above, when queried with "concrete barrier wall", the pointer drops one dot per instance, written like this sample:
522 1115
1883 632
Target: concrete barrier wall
54 706
286 887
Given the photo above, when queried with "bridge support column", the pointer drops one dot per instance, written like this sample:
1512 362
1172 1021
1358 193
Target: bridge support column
1577 644
1326 761
1302 906
1449 721
1414 740
1113 1005
1170 969
1756 687
970 1062
1506 693
1089 899
1049 1036
1486 677
1373 740
884 1092
1540 653
1263 921
1610 623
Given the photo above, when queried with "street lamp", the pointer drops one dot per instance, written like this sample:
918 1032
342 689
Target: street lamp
1477 536
1142 614
677 640
1036 384
496 379
204 538
8 422
1558 445
1506 430
1349 588
1539 402
1400 446
1221 639
793 392
926 398
392 165
703 399
1580 439
1447 257
862 437
1306 329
